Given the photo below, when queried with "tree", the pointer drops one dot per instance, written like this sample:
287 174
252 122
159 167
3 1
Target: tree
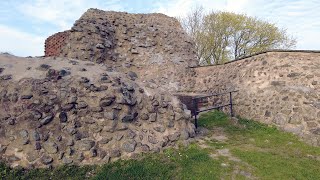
222 36
193 25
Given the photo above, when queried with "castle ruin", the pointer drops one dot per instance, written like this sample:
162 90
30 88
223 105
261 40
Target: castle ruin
108 87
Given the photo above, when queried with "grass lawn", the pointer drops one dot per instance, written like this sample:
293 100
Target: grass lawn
248 150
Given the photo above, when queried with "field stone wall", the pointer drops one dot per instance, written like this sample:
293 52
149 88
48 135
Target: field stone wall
59 111
152 45
107 92
280 88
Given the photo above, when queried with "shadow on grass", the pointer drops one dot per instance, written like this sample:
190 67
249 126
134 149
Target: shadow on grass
59 173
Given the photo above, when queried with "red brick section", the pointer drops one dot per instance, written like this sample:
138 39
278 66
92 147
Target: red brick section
55 43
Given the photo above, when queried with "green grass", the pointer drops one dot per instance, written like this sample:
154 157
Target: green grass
149 167
270 165
271 153
184 163
63 172
214 119
264 153
195 163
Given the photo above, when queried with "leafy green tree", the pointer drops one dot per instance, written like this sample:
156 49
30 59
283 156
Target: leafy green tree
222 36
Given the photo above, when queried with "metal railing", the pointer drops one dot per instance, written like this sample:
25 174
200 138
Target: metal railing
196 111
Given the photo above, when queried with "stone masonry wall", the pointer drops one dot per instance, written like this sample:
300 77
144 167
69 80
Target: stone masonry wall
280 88
104 96
60 111
55 43
152 45
107 94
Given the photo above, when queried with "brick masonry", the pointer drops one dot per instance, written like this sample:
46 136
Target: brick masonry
55 43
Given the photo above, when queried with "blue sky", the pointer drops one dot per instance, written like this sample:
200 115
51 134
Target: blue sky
25 24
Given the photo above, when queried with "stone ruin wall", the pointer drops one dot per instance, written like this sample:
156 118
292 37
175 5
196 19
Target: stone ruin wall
55 43
155 47
60 111
152 45
280 88
76 111
104 96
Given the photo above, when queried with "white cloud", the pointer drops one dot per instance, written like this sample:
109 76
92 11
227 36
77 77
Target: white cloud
57 12
182 7
43 17
177 8
20 43
62 13
236 5
301 18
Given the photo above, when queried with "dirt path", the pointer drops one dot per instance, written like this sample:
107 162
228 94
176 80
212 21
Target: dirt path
217 135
